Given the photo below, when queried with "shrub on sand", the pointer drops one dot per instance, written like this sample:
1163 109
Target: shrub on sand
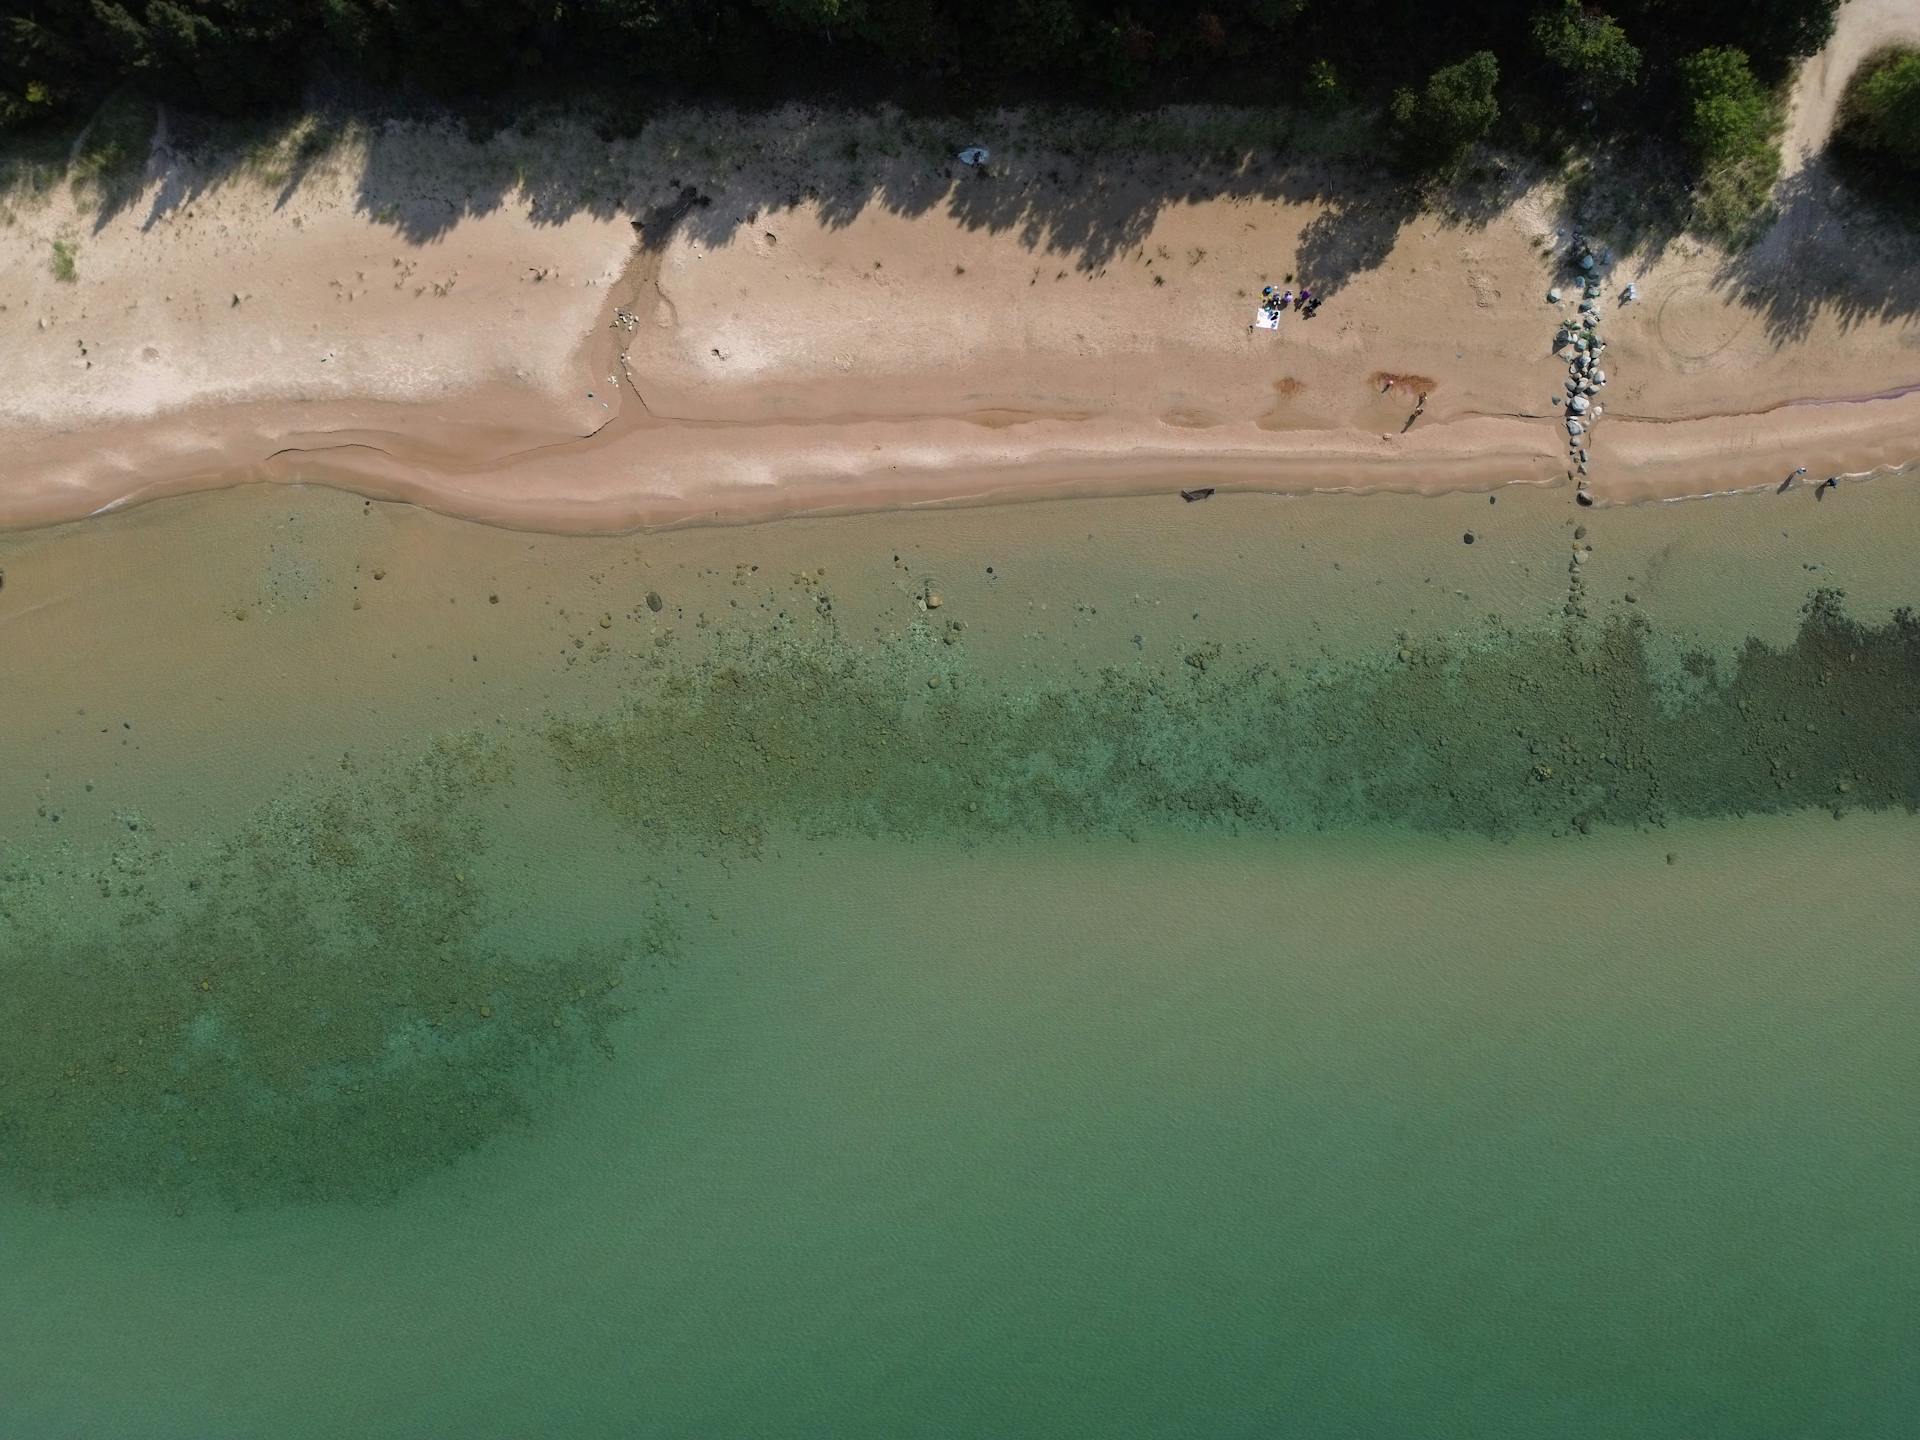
1731 123
1881 112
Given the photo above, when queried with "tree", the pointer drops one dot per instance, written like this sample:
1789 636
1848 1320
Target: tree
1323 88
42 70
1436 126
1787 29
1590 46
814 17
1727 111
1730 122
1771 32
1882 112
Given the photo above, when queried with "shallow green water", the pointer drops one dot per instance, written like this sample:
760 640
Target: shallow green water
1504 1029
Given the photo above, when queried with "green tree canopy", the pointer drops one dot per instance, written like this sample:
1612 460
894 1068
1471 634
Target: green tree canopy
1438 123
1590 46
1727 110
1729 120
1883 108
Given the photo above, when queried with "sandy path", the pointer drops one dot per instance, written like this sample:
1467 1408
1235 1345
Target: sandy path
1863 27
481 329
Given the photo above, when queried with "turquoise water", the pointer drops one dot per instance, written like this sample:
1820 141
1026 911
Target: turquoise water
737 1034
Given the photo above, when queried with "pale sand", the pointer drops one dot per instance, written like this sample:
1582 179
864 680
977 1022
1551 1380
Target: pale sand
426 319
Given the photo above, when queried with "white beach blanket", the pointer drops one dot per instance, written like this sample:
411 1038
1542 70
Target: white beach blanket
1262 320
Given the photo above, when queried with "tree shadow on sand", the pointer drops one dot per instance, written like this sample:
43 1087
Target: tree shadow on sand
1829 253
1085 187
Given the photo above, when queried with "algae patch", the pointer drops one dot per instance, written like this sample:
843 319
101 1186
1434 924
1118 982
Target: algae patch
324 1008
1501 733
315 1013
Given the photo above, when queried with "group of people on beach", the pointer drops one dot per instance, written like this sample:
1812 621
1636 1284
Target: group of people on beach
1273 301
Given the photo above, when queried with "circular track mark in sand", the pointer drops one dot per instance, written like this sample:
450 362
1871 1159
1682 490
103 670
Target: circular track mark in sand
1693 324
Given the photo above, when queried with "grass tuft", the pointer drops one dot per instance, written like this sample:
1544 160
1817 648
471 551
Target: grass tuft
113 149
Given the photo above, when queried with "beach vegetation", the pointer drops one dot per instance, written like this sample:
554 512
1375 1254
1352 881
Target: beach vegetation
1881 112
1324 88
1876 143
33 163
286 150
1731 123
113 147
1436 125
1544 77
63 265
1590 47
237 57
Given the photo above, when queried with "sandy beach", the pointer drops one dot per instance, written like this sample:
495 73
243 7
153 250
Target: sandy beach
728 319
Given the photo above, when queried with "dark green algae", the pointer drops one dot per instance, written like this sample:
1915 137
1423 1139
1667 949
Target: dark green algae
1504 734
315 1013
318 1012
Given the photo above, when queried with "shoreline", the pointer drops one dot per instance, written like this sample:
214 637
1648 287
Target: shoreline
744 474
736 345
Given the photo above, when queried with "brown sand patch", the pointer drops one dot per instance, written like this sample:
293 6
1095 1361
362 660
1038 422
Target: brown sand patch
1189 418
1007 419
1385 381
1285 415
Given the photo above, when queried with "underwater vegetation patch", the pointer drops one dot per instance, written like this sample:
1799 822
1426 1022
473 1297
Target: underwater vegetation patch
1510 732
313 1015
322 1011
